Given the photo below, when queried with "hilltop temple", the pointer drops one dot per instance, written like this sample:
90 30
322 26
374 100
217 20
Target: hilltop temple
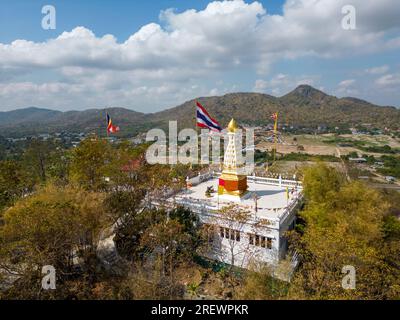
270 206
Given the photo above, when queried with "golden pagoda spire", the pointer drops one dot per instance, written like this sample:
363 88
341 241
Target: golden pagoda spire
232 126
232 183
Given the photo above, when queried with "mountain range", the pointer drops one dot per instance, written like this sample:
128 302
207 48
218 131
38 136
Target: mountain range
304 106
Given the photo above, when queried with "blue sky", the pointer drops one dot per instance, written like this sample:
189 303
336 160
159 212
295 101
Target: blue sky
21 19
146 56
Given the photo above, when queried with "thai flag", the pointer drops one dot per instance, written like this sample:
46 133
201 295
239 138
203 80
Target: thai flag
110 127
204 120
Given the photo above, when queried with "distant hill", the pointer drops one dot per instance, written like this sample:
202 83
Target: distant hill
31 114
34 120
304 105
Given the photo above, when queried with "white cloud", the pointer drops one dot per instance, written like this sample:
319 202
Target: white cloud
157 66
260 85
282 83
346 83
389 80
214 92
347 87
377 70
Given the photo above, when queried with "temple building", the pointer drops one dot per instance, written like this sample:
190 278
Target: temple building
247 216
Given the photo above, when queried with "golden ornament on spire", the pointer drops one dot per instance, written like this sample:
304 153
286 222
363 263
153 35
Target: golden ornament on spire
232 126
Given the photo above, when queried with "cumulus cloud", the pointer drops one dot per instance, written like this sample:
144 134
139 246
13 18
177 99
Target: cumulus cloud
389 81
282 83
347 87
158 65
377 70
347 83
260 85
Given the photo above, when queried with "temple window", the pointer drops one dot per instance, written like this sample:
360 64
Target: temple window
260 241
251 239
263 242
229 234
237 235
269 243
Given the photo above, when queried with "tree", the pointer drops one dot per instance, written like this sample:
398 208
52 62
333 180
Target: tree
234 219
188 220
130 220
343 226
36 158
225 236
144 283
229 224
259 284
166 243
58 167
45 159
13 182
320 182
89 163
55 226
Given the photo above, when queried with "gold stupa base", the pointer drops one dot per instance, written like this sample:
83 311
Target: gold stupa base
232 184
237 193
235 197
232 187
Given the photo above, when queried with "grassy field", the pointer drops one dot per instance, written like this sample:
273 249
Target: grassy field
288 168
332 145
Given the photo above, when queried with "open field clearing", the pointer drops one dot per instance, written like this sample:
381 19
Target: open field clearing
329 144
310 149
289 168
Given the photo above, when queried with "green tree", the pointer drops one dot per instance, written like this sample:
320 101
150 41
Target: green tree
130 220
343 226
168 245
14 182
260 285
55 226
320 181
89 163
36 159
42 160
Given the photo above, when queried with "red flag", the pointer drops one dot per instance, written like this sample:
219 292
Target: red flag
110 127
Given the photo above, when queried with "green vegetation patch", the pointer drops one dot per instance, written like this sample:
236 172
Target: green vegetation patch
391 166
308 157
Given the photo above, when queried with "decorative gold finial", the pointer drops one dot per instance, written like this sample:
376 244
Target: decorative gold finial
232 126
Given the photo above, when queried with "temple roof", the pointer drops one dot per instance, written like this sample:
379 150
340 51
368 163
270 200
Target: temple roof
272 201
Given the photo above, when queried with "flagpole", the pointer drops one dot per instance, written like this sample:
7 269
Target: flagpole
275 134
287 196
107 117
197 132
